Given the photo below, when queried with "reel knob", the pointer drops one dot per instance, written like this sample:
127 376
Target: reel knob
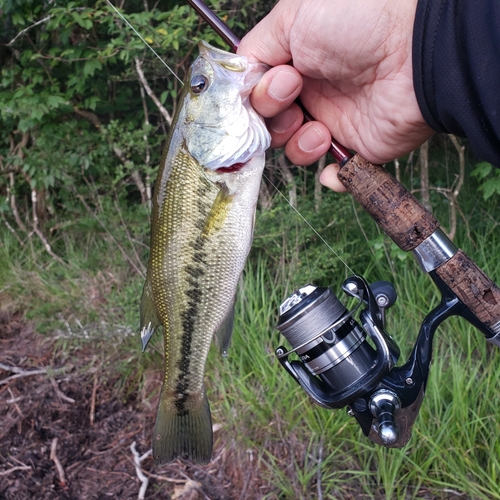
384 404
384 292
385 296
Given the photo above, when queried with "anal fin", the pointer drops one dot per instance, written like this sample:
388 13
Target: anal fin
225 331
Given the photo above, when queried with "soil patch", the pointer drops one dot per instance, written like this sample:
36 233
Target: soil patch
66 430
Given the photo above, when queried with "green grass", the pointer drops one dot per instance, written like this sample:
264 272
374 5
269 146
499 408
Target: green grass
298 449
454 445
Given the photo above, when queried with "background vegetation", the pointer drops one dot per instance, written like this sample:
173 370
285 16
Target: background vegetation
84 110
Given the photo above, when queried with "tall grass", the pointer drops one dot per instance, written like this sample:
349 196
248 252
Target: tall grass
305 450
299 450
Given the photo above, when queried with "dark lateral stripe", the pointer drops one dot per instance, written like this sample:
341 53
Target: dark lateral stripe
194 293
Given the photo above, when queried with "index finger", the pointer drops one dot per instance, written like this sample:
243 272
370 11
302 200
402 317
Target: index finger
276 90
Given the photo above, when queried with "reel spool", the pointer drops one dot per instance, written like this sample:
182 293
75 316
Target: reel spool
327 339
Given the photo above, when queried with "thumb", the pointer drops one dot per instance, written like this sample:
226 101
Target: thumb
269 40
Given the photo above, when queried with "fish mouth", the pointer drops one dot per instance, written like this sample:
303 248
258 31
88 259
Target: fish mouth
236 167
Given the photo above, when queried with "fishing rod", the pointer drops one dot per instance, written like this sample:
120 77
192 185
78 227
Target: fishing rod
344 362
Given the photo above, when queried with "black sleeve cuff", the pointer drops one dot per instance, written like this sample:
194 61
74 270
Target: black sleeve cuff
456 70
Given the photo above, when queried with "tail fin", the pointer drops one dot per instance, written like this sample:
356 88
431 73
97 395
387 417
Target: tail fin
183 434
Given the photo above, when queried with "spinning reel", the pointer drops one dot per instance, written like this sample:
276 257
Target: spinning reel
348 363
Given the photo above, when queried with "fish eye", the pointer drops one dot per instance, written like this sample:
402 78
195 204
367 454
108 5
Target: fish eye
199 83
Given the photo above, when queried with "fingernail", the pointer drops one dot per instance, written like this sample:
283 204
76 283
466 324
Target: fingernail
311 139
282 122
283 85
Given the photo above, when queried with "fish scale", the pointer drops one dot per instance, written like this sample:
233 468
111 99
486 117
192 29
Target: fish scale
201 233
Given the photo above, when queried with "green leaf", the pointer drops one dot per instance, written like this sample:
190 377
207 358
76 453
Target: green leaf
489 178
20 92
90 66
25 124
482 170
79 19
49 180
55 101
38 112
18 19
67 52
91 102
491 187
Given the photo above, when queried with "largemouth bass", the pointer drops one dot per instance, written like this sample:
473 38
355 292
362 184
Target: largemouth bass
202 228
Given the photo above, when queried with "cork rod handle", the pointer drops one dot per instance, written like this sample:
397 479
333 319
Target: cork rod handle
408 224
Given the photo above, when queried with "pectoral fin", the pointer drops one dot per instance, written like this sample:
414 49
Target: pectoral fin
219 212
223 334
149 318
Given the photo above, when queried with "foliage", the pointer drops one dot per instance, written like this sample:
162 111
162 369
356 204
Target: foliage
73 110
489 177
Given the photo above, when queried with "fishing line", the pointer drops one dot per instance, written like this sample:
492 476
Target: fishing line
144 41
310 226
265 176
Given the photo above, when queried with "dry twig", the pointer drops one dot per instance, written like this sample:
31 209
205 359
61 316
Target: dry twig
19 372
38 231
57 463
164 478
59 393
14 401
149 91
92 402
13 469
21 33
142 477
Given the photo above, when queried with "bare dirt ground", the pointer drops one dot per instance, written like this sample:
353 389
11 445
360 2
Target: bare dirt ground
66 431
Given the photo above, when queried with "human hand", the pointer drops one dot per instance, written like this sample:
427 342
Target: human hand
353 71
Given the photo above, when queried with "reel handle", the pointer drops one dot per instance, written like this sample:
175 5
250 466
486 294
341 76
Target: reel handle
409 225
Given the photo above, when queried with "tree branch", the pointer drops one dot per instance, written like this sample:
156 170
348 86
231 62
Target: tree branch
21 33
91 117
150 92
38 231
146 142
